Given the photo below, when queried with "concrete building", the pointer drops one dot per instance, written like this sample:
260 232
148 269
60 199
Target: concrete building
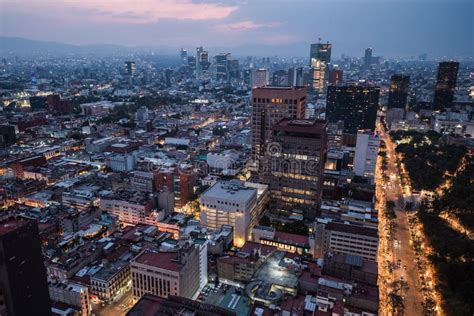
72 294
111 281
121 162
259 77
344 238
129 206
167 273
269 106
233 203
365 158
297 165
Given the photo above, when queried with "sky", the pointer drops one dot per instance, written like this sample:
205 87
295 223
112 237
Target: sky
391 27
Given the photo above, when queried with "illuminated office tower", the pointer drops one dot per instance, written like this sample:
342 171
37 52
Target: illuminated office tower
398 93
297 166
221 69
269 106
445 85
355 105
320 57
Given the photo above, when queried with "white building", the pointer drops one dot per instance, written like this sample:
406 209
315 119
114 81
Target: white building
222 161
365 158
121 162
233 203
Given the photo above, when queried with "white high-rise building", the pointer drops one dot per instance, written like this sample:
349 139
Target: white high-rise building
365 158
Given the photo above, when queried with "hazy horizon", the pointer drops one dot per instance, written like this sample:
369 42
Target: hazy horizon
393 28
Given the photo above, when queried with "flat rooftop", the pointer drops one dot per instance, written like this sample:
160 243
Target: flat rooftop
230 190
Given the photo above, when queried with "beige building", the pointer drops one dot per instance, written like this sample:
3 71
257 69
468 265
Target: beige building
72 294
269 106
234 203
167 273
111 281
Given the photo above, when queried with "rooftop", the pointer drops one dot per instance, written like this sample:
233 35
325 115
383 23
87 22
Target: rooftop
12 223
161 260
230 190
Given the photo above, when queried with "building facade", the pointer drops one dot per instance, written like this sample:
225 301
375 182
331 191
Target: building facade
269 106
445 85
297 164
398 93
355 105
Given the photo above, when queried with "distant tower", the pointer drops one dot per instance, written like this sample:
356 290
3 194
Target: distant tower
23 283
398 94
368 57
319 59
184 56
259 77
130 68
335 76
445 85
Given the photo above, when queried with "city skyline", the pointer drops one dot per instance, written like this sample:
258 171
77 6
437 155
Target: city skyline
391 28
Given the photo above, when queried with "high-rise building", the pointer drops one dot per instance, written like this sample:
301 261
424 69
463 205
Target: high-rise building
221 70
320 57
192 63
23 283
130 68
296 77
365 158
297 164
280 78
368 57
184 56
335 76
269 106
398 94
259 77
355 105
445 85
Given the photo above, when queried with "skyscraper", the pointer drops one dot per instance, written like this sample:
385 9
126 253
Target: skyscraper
368 57
297 164
320 57
221 70
355 105
23 282
445 85
269 106
398 94
184 56
259 77
130 68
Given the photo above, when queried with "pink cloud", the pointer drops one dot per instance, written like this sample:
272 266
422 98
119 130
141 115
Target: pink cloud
242 26
128 11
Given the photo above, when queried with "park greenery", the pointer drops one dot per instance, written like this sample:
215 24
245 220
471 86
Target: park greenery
430 162
426 157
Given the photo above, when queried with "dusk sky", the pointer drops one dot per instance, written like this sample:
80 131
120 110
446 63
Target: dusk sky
391 27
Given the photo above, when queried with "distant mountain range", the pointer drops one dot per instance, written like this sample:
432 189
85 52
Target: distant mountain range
16 46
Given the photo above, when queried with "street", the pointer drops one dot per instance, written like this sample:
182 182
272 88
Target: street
403 256
118 308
